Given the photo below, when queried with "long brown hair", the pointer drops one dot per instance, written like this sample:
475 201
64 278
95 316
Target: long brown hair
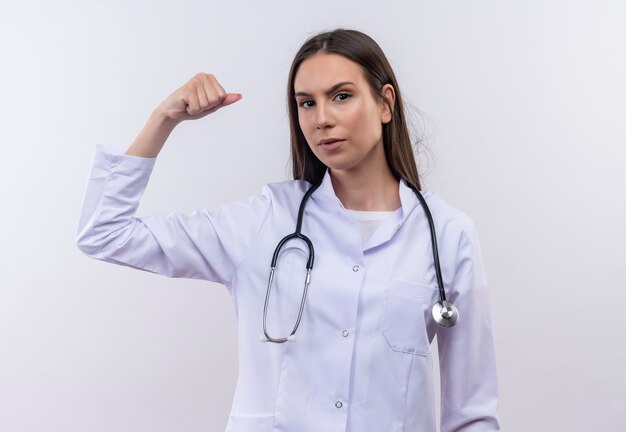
363 50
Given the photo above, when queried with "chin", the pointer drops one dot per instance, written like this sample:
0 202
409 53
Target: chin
339 165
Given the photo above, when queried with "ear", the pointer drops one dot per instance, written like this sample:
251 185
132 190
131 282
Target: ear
387 113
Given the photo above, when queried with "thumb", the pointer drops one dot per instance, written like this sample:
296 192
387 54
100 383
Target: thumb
230 99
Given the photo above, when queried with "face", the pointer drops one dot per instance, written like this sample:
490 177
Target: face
348 112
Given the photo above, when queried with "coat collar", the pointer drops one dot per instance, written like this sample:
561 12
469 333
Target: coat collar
326 197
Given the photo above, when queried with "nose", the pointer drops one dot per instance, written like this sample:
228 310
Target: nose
323 117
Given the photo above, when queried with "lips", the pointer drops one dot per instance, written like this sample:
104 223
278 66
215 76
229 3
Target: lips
329 141
331 145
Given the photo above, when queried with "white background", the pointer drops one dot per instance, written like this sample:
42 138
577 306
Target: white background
523 113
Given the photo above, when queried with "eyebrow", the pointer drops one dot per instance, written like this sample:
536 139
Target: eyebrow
330 90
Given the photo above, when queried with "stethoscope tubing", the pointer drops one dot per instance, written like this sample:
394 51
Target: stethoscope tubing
444 312
433 241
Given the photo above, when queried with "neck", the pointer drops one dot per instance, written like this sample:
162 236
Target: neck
367 189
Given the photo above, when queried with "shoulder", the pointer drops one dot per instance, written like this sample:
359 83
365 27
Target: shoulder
287 186
272 198
286 191
449 219
456 235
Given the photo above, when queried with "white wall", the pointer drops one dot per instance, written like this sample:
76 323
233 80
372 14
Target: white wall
524 112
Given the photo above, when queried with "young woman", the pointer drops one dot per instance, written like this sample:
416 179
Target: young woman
337 337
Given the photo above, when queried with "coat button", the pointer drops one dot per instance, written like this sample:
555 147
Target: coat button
355 268
338 404
345 333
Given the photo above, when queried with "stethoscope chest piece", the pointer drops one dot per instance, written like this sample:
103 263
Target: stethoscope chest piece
445 313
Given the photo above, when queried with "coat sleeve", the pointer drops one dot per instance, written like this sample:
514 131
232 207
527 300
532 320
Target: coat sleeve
469 388
203 245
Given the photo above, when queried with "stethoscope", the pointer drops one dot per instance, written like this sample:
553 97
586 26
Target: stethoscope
444 313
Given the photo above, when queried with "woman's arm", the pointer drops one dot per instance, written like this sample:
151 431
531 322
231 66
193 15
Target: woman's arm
200 96
206 245
152 137
469 387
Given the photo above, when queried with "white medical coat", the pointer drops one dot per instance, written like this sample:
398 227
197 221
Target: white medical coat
362 359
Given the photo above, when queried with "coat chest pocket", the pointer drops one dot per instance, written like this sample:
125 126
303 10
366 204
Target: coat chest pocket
407 308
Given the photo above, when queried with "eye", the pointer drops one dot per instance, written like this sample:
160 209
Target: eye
302 104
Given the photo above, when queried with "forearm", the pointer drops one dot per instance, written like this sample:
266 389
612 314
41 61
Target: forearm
152 137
